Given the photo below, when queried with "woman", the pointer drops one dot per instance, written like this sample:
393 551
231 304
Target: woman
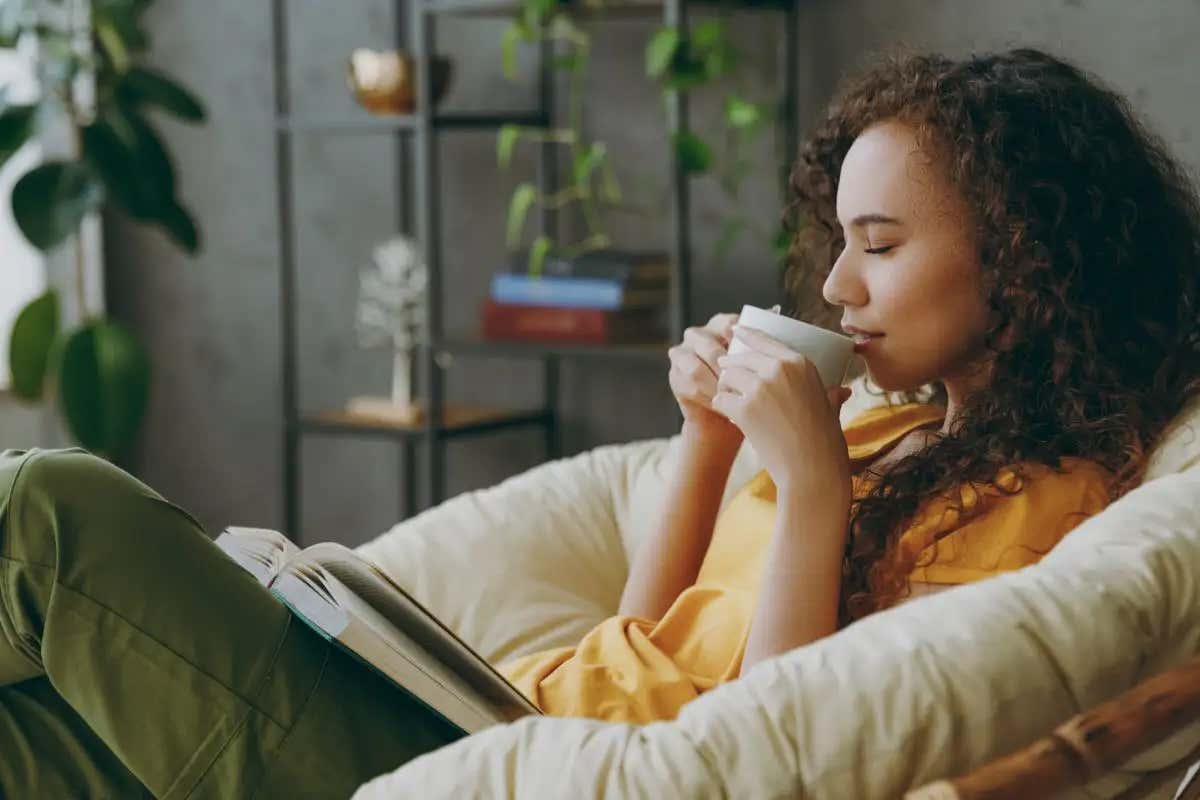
1001 228
982 219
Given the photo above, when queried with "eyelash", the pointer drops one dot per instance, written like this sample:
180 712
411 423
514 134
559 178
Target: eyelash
878 250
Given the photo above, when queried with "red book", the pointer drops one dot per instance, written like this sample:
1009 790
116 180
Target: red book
573 325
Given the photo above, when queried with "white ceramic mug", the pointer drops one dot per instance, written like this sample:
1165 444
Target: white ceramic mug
830 352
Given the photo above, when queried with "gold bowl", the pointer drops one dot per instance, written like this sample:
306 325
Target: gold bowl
383 82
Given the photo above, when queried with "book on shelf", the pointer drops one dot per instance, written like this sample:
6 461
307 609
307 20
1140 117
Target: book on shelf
630 267
502 321
353 604
595 293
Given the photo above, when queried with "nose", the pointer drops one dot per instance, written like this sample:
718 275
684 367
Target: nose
844 286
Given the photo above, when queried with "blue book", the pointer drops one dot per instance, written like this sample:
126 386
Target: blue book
598 293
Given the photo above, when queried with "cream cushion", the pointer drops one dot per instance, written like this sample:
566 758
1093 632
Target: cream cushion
930 688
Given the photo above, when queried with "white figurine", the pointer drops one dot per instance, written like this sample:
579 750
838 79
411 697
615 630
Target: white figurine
393 312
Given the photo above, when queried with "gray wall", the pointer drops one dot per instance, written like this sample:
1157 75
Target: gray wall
213 441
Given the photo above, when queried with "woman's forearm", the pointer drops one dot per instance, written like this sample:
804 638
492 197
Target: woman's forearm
668 561
802 576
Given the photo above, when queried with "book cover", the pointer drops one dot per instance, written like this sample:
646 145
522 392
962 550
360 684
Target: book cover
595 293
571 325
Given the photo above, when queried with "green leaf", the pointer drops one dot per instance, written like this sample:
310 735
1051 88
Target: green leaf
51 200
523 197
570 62
104 386
661 50
691 152
29 347
719 61
505 141
586 162
561 27
513 34
730 230
740 113
780 243
537 254
145 86
610 190
112 45
16 126
133 163
706 35
180 226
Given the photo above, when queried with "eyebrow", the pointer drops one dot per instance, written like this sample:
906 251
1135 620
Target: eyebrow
873 219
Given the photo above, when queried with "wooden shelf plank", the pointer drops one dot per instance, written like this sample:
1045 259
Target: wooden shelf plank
457 420
477 345
368 123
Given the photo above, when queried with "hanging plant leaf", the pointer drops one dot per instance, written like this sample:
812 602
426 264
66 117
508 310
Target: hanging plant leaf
660 51
522 198
512 35
104 382
16 126
610 189
29 347
112 45
506 140
586 162
133 163
181 227
51 200
691 152
741 113
537 255
143 86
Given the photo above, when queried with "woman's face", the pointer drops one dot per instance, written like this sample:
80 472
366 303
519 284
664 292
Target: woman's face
910 269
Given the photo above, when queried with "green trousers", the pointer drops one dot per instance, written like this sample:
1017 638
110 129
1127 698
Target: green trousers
137 660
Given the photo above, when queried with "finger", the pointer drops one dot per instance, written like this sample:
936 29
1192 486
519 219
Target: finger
748 359
738 380
695 369
723 324
729 405
708 345
764 343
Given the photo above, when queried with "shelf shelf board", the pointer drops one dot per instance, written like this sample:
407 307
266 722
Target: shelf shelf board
367 123
584 9
477 345
457 420
510 8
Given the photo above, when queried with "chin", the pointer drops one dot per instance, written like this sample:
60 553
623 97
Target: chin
895 381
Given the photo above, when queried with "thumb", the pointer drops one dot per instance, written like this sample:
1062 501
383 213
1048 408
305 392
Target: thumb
838 395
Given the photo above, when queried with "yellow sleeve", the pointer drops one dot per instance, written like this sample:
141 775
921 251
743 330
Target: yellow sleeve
1014 531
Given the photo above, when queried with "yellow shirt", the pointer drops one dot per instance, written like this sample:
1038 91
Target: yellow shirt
630 669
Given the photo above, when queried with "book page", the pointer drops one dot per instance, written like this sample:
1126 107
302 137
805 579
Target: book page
311 604
260 551
370 587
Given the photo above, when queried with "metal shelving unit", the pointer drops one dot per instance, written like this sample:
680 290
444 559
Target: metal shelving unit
416 150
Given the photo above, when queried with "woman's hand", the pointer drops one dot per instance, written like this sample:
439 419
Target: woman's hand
774 395
693 379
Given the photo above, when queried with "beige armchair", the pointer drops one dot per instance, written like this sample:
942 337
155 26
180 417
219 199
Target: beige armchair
930 689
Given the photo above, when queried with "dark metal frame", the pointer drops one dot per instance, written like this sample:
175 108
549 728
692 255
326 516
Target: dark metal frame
419 212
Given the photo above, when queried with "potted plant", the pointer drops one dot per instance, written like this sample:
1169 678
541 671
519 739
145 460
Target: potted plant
97 371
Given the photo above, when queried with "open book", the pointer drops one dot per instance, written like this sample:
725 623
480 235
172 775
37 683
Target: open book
352 603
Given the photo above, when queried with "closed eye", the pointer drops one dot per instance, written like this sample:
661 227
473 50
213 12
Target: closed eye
878 250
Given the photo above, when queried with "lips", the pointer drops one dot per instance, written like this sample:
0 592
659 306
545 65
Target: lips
858 334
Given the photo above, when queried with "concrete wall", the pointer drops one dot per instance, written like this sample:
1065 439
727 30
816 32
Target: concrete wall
213 441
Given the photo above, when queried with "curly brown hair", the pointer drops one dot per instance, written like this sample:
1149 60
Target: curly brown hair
1089 241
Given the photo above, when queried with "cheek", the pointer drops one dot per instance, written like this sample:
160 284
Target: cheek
934 316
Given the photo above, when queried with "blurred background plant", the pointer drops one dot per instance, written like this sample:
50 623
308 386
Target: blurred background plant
593 184
705 56
86 60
